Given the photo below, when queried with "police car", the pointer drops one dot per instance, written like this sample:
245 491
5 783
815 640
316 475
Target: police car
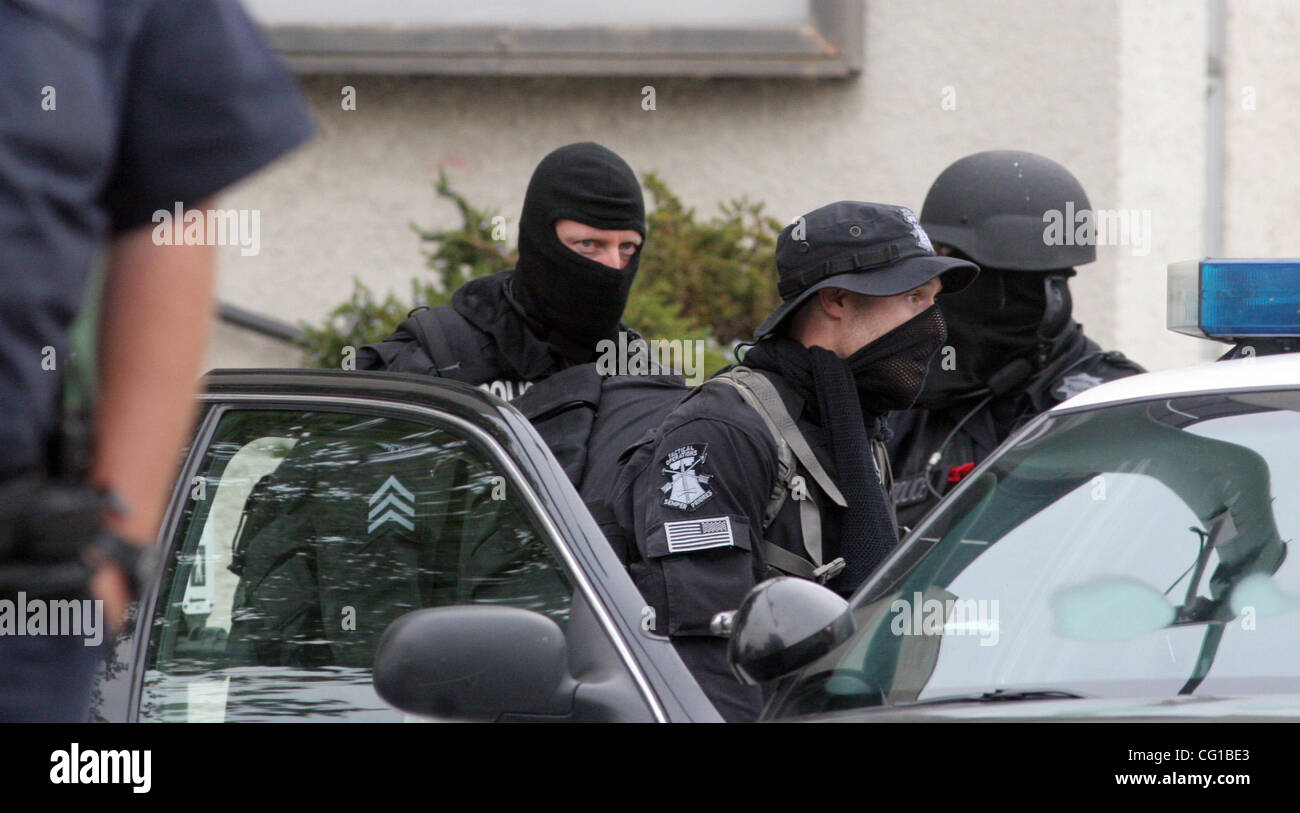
377 546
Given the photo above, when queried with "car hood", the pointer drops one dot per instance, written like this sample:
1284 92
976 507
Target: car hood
1243 708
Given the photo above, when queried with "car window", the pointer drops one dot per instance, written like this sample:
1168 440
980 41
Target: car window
1127 551
304 536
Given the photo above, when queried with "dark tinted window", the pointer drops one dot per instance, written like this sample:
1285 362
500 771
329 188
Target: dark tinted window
306 535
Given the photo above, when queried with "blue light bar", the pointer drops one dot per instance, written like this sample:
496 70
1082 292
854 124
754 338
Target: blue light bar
1235 299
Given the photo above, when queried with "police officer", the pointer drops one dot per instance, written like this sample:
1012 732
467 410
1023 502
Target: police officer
113 113
580 237
775 466
1013 349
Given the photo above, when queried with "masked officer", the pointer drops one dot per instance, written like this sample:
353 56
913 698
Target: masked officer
580 237
1013 349
776 467
112 113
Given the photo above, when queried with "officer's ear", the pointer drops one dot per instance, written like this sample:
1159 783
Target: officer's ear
814 322
836 303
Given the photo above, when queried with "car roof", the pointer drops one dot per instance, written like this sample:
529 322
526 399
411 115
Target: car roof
1262 372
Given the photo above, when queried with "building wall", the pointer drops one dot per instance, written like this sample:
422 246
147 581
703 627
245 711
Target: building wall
1113 90
1262 189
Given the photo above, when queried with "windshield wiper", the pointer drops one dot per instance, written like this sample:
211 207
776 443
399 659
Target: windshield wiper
997 696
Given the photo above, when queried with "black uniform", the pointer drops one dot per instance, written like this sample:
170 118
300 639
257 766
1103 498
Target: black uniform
984 424
700 485
778 467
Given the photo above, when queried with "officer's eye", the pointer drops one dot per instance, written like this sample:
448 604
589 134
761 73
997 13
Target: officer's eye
628 248
587 244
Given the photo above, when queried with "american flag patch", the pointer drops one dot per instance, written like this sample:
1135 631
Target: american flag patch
698 534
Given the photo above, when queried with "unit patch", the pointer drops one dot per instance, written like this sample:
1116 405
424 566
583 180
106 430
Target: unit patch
685 489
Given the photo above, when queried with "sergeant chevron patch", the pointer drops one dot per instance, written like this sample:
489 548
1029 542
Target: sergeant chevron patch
391 503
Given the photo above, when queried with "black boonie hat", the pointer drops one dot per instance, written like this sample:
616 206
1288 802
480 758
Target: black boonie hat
867 248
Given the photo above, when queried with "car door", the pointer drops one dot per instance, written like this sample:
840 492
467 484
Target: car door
316 508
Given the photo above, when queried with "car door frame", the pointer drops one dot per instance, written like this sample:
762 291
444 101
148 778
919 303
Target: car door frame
507 439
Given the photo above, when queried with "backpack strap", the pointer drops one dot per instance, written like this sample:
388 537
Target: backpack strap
427 326
451 343
756 390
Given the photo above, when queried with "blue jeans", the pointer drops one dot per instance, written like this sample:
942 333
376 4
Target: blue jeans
47 678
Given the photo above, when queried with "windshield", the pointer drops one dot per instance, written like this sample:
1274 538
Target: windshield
1126 551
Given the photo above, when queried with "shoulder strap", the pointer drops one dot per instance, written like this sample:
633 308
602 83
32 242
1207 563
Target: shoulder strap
755 388
427 325
452 344
760 394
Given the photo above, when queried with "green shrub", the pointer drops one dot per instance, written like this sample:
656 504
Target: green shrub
710 280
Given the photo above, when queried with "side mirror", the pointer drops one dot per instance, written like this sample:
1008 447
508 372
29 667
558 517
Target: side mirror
783 624
475 662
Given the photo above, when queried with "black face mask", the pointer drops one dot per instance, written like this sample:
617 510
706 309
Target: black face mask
993 322
891 371
576 300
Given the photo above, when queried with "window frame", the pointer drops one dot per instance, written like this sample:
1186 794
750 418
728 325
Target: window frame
216 405
826 44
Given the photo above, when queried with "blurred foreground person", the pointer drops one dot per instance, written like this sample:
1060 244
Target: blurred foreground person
116 117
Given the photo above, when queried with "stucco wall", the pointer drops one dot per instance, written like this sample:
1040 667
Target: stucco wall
1262 190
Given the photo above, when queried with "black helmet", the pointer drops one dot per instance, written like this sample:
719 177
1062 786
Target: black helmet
990 206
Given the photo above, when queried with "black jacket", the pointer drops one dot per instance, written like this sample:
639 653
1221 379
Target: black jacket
690 535
586 418
919 433
484 340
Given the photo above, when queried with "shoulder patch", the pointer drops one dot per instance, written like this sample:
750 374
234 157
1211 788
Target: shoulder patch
686 487
1072 385
689 535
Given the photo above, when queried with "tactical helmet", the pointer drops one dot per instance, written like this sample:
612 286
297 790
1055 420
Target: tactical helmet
992 207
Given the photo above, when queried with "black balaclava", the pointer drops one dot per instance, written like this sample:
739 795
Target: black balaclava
891 371
577 301
996 320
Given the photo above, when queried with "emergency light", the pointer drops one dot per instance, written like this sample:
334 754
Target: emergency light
1234 299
